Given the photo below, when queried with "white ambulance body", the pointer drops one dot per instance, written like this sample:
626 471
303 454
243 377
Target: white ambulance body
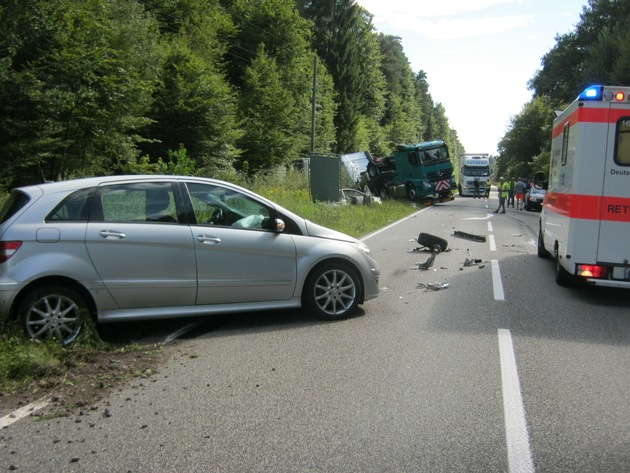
474 166
585 220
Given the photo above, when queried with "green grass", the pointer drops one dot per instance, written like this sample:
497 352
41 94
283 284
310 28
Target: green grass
23 361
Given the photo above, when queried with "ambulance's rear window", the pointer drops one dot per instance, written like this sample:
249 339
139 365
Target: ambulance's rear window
622 145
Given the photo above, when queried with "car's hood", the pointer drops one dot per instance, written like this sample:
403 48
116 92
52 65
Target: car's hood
319 231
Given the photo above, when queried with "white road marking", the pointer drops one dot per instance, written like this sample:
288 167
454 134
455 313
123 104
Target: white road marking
518 446
492 242
23 412
497 285
490 227
370 235
179 332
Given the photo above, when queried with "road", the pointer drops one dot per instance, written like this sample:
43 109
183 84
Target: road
502 370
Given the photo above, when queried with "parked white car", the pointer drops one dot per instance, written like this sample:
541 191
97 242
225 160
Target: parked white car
149 247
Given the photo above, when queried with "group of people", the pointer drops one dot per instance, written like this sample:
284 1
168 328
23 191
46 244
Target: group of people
511 191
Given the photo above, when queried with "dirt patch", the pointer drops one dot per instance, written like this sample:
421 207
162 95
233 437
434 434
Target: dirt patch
85 378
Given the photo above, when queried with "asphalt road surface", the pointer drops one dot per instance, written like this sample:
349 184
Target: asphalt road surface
480 363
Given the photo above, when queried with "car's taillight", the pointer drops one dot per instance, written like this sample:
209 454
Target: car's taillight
8 249
592 271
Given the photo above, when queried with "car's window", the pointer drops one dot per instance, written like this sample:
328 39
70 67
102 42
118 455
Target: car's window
216 205
74 208
137 202
15 202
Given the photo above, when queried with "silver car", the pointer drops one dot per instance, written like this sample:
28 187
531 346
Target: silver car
150 247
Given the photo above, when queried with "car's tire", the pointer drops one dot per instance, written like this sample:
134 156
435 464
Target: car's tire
542 251
563 277
53 312
332 291
433 242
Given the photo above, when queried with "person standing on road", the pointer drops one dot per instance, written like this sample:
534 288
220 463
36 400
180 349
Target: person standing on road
504 191
510 200
488 186
519 193
476 183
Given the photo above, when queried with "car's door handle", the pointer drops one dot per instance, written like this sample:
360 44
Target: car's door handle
209 240
112 235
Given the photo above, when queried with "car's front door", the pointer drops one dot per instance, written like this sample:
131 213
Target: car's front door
240 258
143 255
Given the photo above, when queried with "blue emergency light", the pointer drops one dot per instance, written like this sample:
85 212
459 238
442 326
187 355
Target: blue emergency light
594 92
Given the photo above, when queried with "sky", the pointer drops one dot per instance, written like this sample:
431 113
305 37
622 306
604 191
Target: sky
478 55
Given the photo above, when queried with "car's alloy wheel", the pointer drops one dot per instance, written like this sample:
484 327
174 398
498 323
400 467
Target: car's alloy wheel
53 312
332 291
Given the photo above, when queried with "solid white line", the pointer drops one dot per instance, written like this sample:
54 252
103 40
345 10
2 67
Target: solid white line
179 332
492 242
518 447
23 412
497 285
370 235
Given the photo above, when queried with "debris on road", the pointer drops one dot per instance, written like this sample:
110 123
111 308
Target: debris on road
432 287
469 236
429 262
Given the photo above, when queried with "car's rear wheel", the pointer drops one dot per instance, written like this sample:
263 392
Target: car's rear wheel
53 312
332 291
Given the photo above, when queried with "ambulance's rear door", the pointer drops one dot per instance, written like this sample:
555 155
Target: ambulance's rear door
614 233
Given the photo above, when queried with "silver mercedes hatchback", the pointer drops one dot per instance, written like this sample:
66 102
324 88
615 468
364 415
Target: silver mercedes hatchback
150 247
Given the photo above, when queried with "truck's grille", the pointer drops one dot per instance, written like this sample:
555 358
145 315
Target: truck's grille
440 175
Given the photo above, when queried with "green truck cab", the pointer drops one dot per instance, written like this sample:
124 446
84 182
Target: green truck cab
420 172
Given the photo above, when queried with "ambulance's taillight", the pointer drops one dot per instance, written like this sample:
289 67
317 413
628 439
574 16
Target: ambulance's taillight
620 96
592 271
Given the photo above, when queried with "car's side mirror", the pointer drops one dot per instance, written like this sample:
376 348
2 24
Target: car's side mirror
279 225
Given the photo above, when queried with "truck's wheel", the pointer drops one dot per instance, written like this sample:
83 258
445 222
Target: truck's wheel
412 193
383 192
432 241
372 170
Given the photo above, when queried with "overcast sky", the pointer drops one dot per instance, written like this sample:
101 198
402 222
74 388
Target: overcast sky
478 54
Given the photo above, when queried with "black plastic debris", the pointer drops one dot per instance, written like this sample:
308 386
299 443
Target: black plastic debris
469 236
429 262
433 242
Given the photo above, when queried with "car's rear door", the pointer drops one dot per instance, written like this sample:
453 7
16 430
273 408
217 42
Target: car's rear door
143 255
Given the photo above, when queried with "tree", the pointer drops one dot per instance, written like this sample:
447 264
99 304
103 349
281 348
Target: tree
345 42
272 49
527 140
76 83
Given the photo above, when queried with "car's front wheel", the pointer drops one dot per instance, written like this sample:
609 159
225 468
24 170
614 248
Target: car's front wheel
332 291
53 312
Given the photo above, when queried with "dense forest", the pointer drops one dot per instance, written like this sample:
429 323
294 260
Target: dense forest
220 87
207 87
597 51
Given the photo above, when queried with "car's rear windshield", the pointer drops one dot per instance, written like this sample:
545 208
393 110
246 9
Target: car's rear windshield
13 204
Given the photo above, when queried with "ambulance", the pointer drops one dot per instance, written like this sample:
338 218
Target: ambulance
585 220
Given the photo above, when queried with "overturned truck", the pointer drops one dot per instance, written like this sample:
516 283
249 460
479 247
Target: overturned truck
421 172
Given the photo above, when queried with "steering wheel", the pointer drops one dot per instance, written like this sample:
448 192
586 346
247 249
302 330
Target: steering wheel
217 217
